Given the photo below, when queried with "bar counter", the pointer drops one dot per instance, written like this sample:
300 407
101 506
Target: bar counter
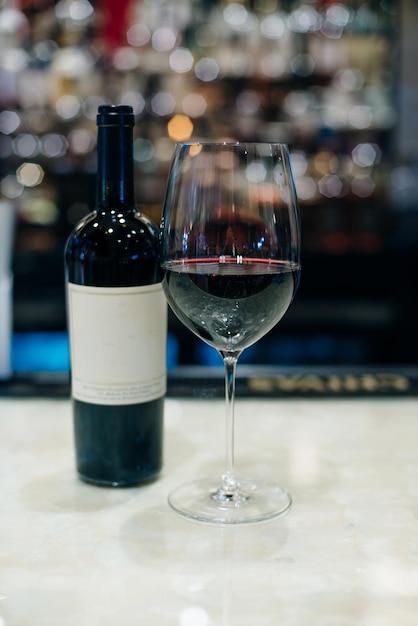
346 553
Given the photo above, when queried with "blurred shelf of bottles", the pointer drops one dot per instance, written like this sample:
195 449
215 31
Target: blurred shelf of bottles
321 75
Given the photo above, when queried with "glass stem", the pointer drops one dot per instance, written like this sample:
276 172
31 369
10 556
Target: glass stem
229 485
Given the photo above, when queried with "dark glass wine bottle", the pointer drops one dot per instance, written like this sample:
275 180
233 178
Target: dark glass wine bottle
117 319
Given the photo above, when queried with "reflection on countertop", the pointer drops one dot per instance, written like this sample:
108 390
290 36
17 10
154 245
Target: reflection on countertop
345 554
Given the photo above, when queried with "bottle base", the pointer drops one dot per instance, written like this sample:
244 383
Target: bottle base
118 445
119 484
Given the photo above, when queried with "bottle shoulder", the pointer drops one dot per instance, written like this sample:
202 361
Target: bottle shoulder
113 249
115 226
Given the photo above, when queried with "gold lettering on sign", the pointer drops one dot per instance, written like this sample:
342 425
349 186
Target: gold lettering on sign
347 383
262 385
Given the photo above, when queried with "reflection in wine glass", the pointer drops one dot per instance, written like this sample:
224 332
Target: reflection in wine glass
230 240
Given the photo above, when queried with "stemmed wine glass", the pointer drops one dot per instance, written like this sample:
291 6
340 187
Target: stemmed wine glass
230 246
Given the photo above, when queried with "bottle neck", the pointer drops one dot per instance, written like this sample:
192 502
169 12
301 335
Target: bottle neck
115 180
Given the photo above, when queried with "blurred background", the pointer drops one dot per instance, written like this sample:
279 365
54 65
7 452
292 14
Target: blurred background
338 81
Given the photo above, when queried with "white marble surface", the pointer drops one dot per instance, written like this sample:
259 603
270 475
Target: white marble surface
346 554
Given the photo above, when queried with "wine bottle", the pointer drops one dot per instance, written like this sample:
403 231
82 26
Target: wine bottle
117 321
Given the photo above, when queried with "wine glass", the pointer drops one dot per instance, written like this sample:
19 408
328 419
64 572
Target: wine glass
230 246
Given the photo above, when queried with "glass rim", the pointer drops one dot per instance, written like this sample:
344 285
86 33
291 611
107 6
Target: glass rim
232 144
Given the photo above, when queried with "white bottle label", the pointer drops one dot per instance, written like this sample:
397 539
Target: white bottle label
117 343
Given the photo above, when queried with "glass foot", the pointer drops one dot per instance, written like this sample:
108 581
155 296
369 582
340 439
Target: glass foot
250 501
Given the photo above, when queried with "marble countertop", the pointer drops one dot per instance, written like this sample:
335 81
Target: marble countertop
346 554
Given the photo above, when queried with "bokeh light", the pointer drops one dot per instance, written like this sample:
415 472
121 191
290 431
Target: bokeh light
273 26
138 35
11 187
180 128
304 19
363 186
273 65
207 69
143 150
9 122
125 59
238 17
30 174
133 99
26 145
163 103
81 141
331 186
194 105
38 210
248 101
181 60
67 107
54 145
366 154
164 39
